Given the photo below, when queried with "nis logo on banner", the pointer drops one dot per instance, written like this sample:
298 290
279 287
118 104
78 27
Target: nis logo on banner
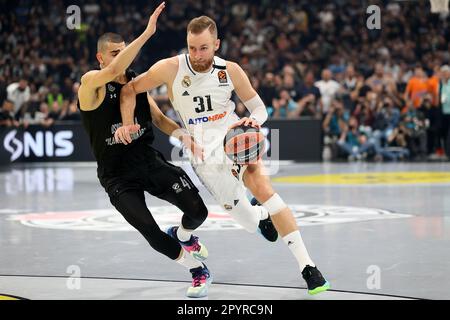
39 144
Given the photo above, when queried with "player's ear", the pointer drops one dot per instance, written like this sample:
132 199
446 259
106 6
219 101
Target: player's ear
99 58
217 45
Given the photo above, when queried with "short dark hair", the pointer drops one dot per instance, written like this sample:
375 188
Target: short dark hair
108 37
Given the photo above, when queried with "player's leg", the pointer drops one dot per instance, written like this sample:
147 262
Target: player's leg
283 219
131 204
172 184
224 182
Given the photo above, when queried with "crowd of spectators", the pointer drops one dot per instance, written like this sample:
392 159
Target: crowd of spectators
380 94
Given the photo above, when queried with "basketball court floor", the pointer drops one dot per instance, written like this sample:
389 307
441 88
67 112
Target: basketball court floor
376 231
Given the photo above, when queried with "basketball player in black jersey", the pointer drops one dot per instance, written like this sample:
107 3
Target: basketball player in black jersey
127 171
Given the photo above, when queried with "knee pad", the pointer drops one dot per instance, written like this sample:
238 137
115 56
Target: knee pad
275 204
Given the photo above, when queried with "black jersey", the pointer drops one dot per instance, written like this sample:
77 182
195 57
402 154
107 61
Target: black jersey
102 123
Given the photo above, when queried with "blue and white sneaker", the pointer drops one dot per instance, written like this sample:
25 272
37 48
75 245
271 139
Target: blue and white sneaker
193 246
201 280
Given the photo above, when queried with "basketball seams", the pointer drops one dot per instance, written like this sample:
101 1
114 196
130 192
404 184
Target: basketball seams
244 147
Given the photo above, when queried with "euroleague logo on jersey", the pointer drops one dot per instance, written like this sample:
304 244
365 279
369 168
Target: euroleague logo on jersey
218 218
222 75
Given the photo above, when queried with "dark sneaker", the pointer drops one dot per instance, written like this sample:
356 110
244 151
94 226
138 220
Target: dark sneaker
315 281
268 230
266 227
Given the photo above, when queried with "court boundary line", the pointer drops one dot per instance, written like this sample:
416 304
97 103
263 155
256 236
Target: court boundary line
214 282
12 296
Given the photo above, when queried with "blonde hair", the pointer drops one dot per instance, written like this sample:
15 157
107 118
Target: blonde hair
200 24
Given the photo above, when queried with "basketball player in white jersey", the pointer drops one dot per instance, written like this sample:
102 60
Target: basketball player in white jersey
200 85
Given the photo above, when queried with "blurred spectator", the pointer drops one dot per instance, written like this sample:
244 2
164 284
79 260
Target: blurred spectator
55 98
445 102
413 126
334 123
363 113
383 136
417 87
284 107
268 90
289 85
42 117
3 93
433 123
72 113
397 145
433 86
335 120
351 84
67 90
310 103
380 80
354 142
328 89
19 94
7 114
55 112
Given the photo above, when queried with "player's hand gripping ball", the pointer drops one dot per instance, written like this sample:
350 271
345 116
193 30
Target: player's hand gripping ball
244 144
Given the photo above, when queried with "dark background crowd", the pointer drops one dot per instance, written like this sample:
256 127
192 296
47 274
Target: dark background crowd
381 94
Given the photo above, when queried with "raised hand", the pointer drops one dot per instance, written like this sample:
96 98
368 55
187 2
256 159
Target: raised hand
151 27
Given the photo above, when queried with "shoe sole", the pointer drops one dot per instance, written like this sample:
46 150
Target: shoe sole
320 289
199 257
204 292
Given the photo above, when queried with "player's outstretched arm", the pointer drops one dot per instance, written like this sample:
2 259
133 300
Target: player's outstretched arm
97 78
248 95
154 77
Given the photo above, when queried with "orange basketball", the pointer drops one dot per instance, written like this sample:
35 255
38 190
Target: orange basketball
244 145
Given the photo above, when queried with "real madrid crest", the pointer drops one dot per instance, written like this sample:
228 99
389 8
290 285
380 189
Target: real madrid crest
186 82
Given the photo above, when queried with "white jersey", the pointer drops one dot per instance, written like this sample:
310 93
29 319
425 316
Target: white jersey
203 102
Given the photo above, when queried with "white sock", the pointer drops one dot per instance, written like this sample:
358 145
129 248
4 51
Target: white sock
188 261
264 213
183 234
295 244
